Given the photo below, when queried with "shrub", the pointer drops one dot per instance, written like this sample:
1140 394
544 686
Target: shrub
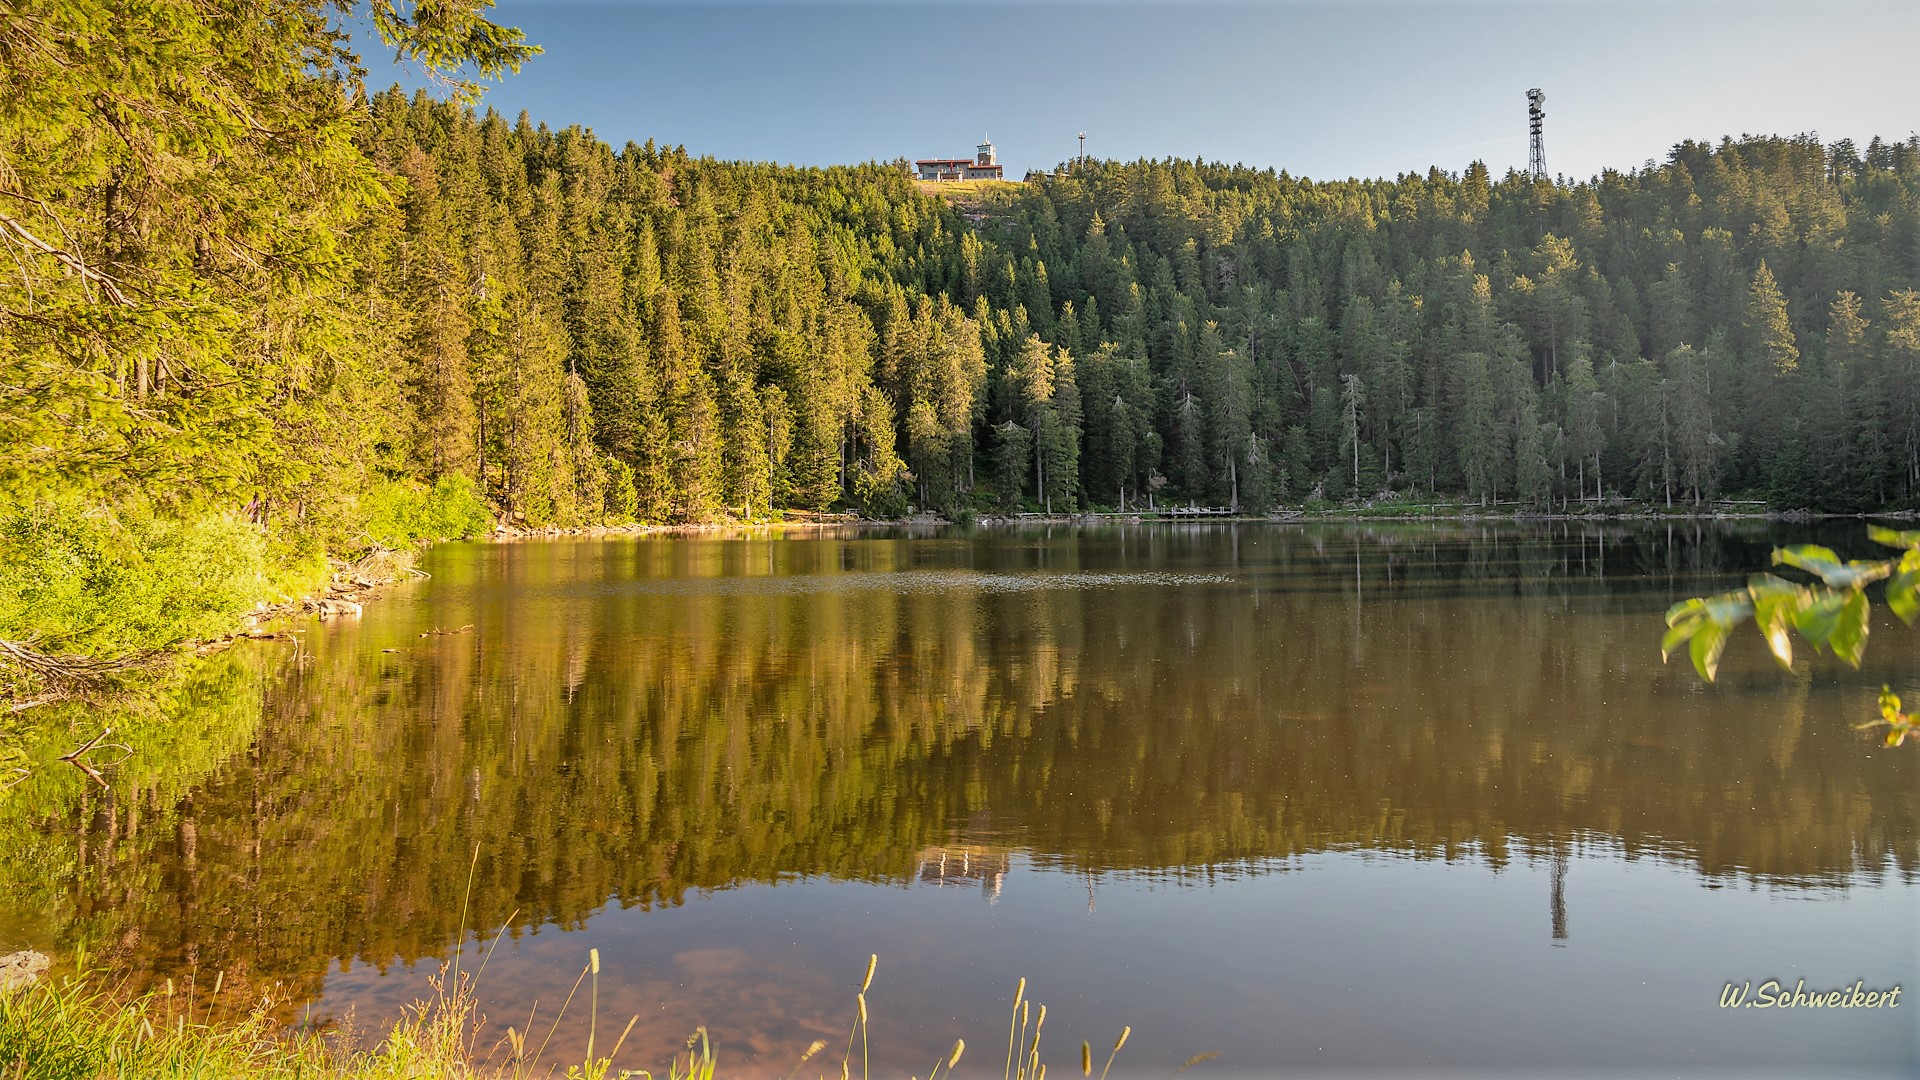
104 582
400 513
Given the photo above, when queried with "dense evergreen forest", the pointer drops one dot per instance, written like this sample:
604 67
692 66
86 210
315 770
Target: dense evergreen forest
252 314
644 334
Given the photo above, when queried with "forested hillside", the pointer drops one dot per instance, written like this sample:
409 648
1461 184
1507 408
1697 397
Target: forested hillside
647 335
252 314
1742 318
643 334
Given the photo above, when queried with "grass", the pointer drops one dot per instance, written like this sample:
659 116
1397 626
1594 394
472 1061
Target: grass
964 187
78 1028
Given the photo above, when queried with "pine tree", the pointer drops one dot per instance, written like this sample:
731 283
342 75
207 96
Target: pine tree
1353 399
1033 377
1696 445
879 476
1480 445
1532 476
1900 314
779 419
1586 437
1012 446
747 469
1063 446
1231 423
441 384
586 500
1769 332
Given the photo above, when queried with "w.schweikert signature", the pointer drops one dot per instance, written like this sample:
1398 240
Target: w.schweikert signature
1772 995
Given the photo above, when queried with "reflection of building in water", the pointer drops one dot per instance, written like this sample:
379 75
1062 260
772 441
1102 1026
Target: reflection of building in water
966 864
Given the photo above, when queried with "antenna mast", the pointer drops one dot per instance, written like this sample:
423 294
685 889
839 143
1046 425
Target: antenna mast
1536 118
1083 148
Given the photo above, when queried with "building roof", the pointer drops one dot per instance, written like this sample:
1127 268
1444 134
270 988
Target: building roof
946 161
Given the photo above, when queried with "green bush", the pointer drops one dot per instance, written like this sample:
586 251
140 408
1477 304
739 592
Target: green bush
103 582
401 512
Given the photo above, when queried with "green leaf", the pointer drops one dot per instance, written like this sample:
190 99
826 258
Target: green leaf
1675 612
1729 609
1824 564
1709 641
1683 620
1899 724
1903 590
1850 630
1775 603
1808 557
1706 622
1676 637
1818 619
1909 540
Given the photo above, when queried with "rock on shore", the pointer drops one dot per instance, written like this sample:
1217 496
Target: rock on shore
22 969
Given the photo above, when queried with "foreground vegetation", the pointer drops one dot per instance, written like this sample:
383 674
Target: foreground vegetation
75 1029
79 1030
1831 614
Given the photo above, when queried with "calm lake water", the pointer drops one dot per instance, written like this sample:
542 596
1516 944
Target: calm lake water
1409 798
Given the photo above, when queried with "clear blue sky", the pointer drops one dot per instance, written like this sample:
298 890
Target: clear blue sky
1320 89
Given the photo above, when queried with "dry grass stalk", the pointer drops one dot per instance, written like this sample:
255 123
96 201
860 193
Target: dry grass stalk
1117 1044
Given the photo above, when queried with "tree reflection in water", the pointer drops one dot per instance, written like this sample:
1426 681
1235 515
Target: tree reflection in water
634 719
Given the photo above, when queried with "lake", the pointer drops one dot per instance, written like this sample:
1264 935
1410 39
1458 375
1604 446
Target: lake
1408 798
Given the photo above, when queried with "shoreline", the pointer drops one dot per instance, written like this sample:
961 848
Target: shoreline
1366 514
1628 514
351 584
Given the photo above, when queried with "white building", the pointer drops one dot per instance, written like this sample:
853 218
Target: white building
984 165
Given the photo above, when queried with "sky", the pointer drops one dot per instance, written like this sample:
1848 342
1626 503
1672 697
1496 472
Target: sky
1321 89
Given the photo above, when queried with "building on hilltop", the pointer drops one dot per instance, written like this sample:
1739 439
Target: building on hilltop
984 165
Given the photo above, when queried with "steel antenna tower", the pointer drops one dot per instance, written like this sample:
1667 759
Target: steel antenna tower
1083 148
1536 117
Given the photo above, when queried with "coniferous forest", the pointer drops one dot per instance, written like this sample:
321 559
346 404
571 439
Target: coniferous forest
241 289
267 330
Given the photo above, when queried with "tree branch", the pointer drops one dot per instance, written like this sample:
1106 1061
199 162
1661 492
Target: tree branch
68 259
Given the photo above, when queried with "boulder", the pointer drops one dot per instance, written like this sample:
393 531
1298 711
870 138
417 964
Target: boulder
332 606
22 969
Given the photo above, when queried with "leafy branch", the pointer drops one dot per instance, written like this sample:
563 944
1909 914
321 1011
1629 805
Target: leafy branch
1831 613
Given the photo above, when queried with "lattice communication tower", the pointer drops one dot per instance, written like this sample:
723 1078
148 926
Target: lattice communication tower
1536 118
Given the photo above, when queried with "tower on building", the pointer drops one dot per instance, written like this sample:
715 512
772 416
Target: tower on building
983 165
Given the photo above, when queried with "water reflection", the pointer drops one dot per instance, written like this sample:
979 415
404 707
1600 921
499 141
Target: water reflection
631 724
